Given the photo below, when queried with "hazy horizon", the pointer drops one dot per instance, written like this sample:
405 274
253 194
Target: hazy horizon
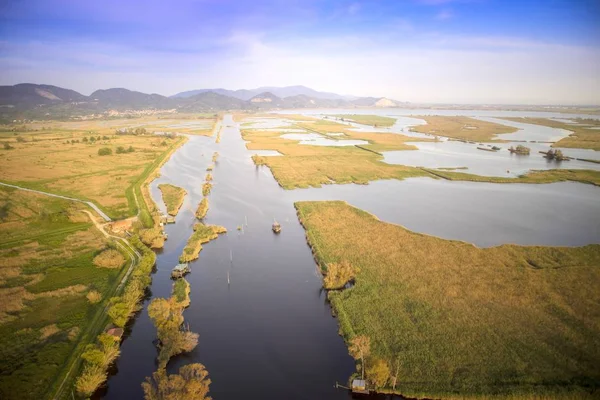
420 51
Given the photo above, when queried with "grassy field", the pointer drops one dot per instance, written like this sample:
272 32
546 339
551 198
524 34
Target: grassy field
451 319
173 197
50 287
313 166
64 158
581 138
373 120
464 128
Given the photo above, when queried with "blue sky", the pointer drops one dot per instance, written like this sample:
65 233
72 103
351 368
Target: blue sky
479 51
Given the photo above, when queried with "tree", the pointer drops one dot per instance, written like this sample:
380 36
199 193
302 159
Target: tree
84 140
360 347
396 372
191 384
378 372
105 151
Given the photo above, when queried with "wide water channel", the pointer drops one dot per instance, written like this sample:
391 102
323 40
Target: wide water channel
268 333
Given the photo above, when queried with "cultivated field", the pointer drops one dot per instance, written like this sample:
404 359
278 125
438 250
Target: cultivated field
582 137
449 319
57 272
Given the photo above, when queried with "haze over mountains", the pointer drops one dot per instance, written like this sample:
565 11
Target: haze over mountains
46 100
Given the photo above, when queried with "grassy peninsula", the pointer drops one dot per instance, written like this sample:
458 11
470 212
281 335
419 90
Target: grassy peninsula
447 319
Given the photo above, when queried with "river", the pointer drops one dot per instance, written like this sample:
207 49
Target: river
269 333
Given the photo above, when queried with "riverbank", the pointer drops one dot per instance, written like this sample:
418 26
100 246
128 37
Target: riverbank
448 318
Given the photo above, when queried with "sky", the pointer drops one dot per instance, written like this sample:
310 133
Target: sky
434 51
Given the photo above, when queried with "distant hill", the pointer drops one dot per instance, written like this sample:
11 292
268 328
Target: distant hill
282 92
210 101
29 95
45 101
124 98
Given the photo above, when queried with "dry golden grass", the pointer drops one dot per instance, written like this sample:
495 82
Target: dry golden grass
76 169
305 165
48 331
93 296
462 128
109 258
152 237
581 137
461 320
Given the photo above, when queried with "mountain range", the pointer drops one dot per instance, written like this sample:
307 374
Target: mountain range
33 100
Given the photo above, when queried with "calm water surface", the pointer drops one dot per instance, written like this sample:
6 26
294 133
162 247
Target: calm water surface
269 332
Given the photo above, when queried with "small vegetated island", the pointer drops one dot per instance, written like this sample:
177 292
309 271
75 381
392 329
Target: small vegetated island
373 120
303 165
173 197
435 318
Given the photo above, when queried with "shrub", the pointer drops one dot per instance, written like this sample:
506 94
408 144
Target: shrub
7 146
109 259
120 150
20 139
338 274
105 151
93 296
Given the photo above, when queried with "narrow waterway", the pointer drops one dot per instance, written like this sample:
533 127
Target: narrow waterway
269 333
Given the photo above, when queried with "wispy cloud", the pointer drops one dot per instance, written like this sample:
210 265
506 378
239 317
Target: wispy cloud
444 15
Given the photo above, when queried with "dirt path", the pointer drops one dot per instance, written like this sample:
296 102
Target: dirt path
89 203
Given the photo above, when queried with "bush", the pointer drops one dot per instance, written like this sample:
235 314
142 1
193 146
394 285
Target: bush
105 151
93 296
120 150
7 146
20 139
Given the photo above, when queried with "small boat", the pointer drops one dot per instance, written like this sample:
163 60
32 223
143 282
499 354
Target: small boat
276 227
180 270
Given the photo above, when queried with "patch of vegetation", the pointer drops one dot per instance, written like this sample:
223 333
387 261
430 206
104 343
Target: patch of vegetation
444 318
191 383
463 128
109 258
373 120
105 151
202 234
173 197
206 187
167 316
202 208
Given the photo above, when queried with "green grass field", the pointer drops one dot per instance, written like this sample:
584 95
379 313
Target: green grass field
46 271
459 321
